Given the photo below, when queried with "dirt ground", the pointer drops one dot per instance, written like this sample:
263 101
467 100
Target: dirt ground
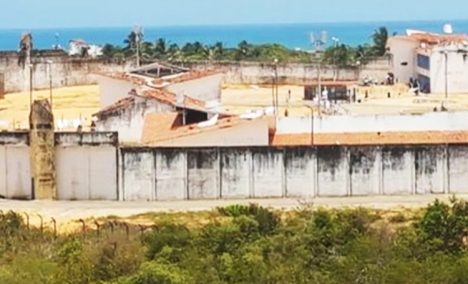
242 98
69 103
73 103
68 213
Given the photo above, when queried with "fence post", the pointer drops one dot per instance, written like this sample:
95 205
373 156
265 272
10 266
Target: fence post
83 226
55 226
98 229
42 223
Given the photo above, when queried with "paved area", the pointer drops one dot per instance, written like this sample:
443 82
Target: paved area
65 211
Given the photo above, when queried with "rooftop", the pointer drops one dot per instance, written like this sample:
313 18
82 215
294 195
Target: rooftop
433 38
161 77
164 127
358 139
187 76
160 95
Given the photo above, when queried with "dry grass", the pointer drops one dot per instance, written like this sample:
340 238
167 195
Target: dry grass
68 103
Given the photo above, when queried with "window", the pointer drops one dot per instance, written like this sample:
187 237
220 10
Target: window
424 62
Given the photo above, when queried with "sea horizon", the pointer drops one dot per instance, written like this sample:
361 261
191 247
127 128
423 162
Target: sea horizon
291 35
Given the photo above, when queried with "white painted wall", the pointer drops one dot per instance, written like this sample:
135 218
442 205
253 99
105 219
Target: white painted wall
253 133
403 50
86 172
206 88
15 172
112 90
457 72
129 122
378 123
265 172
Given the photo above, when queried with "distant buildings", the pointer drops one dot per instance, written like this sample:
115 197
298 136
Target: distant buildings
79 47
434 61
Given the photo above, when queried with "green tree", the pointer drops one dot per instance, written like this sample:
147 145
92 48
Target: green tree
160 48
380 39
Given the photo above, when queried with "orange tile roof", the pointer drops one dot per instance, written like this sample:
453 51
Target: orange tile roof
433 39
188 76
157 123
121 104
386 138
135 79
156 135
160 95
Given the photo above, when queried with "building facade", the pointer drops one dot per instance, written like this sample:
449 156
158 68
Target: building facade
438 63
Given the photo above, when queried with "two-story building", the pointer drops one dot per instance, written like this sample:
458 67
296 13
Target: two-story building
439 62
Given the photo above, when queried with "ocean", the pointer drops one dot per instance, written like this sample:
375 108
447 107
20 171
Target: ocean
290 35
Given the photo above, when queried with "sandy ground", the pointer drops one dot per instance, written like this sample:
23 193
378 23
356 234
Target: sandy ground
69 211
242 98
69 103
73 103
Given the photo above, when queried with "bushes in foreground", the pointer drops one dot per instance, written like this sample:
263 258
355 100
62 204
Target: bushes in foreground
251 244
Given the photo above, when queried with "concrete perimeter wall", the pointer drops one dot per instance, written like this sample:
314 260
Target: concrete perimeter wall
296 73
373 123
91 167
86 165
15 169
65 70
213 173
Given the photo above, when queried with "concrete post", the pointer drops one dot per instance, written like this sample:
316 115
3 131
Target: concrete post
42 147
251 174
379 158
446 169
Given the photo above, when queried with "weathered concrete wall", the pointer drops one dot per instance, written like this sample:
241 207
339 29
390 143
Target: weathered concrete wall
295 73
87 166
458 165
251 133
373 123
42 142
65 71
15 169
129 121
206 88
266 172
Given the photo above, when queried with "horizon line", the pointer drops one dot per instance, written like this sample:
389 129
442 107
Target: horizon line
238 24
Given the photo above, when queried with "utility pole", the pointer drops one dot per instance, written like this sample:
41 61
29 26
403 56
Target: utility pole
49 63
30 85
137 32
276 87
446 78
318 44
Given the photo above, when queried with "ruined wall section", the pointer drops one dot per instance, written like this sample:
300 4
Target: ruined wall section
65 70
42 150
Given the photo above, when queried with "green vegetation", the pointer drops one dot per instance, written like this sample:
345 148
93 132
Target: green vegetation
249 244
340 55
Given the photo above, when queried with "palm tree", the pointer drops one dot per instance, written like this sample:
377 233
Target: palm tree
217 50
174 53
160 48
380 38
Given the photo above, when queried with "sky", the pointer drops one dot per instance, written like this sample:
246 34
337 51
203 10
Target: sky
33 14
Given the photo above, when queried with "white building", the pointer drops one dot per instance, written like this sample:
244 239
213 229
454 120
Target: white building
436 61
126 98
79 47
203 85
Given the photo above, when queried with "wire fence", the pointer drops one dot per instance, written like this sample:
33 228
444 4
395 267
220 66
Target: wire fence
86 228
